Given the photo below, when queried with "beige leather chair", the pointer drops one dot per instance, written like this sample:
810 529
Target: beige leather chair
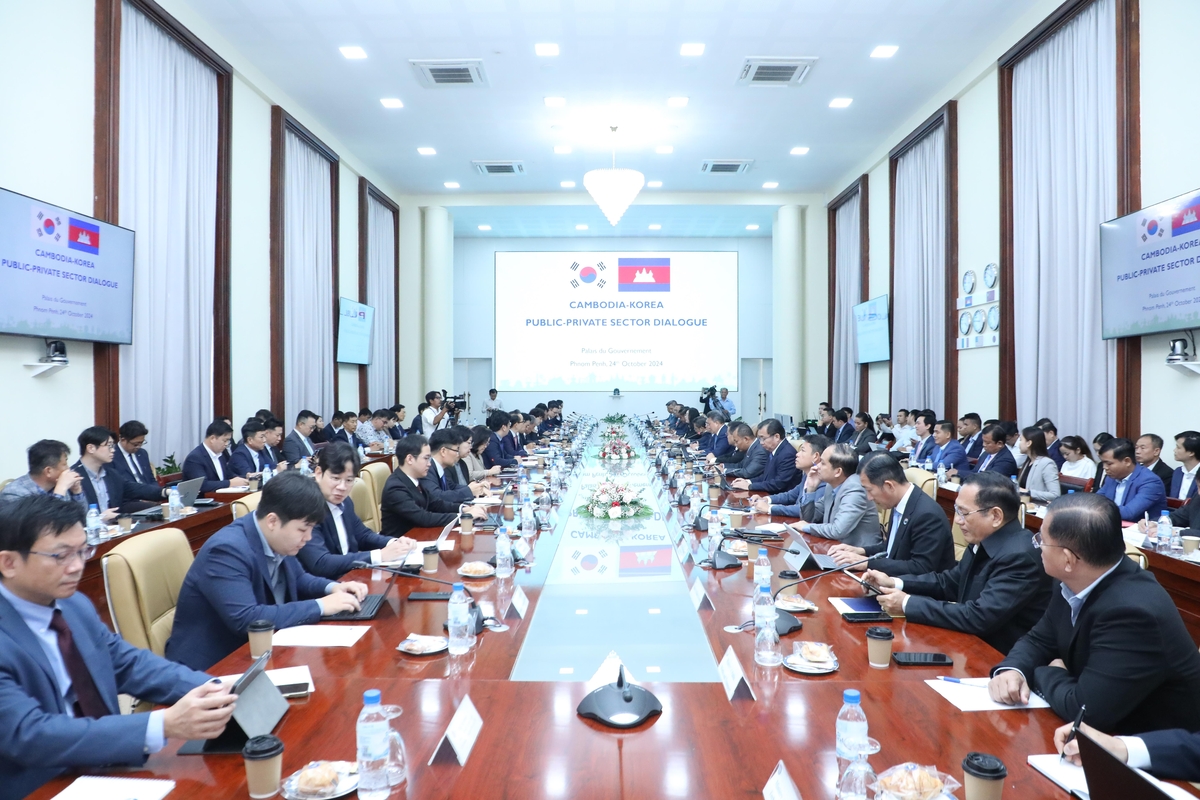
246 504
923 480
1136 555
365 505
960 541
376 474
142 577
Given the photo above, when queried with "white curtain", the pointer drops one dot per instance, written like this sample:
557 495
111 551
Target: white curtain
381 295
1064 185
919 325
168 196
308 280
847 290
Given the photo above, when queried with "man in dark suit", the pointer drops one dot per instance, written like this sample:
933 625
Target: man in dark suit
843 428
499 424
1170 754
250 456
825 425
918 538
1111 638
923 447
731 454
1148 452
1053 445
970 434
1135 489
405 504
996 457
341 539
1187 453
61 668
844 513
298 445
805 493
131 460
103 486
209 460
717 424
754 456
461 474
274 440
998 590
248 571
439 485
336 429
779 474
949 453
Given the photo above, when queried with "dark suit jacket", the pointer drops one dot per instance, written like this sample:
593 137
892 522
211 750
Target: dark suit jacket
143 461
973 446
1002 462
272 456
922 451
844 434
752 463
228 587
731 456
1187 516
1174 754
407 506
779 474
1144 492
342 435
199 465
1054 450
923 540
495 454
862 441
242 461
1177 481
828 431
1129 657
294 449
511 445
453 495
997 593
953 457
40 740
705 442
123 492
323 555
719 444
1164 473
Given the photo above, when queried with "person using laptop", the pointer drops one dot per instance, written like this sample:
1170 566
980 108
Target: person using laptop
248 571
210 461
1171 754
341 539
843 513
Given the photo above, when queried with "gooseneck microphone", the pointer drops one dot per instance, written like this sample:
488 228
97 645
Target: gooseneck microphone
821 574
475 611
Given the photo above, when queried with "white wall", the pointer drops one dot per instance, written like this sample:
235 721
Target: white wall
474 333
46 152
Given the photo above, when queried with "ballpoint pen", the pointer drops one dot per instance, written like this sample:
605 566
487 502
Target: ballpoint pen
1074 732
961 681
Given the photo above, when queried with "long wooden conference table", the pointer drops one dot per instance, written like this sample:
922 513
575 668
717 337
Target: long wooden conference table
527 681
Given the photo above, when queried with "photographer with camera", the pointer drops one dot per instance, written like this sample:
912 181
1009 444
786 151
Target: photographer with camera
707 395
438 415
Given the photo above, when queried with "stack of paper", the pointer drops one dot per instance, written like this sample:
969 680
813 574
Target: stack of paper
971 694
104 788
319 636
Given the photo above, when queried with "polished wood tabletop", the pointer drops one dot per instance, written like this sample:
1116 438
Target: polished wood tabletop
534 745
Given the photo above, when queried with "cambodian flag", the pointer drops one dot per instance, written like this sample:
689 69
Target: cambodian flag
1187 220
645 560
643 275
83 236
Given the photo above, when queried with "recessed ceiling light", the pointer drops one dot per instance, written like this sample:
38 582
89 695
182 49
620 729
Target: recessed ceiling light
546 49
556 102
451 184
799 151
485 227
664 149
676 102
562 149
884 51
692 49
427 151
771 185
391 102
581 227
751 227
567 184
353 52
653 184
654 226
840 102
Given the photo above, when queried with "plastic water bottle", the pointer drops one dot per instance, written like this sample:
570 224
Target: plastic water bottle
462 635
372 734
851 728
94 525
267 474
362 453
174 504
941 474
504 559
762 570
929 465
528 520
524 488
766 637
304 466
1165 531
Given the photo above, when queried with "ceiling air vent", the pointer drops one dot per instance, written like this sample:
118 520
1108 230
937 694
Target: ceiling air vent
728 166
766 71
444 73
500 167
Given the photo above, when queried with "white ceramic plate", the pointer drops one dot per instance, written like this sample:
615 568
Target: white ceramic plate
424 645
490 570
348 782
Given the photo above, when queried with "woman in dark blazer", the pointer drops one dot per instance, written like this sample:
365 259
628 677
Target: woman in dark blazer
864 434
1097 443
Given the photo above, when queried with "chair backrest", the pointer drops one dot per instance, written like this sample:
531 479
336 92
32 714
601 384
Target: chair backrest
365 504
1136 555
923 479
6 482
247 504
960 541
1079 484
1172 502
142 577
377 473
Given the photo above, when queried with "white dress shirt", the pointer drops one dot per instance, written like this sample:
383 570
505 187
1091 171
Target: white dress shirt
336 512
216 459
1185 484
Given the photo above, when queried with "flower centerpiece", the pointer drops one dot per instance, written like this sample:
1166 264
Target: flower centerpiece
616 450
614 419
614 500
612 432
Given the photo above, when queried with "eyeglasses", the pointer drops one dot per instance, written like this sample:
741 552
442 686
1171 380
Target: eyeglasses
65 558
958 512
1039 544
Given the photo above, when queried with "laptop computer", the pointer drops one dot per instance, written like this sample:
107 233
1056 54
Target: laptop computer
1110 779
188 493
368 609
805 556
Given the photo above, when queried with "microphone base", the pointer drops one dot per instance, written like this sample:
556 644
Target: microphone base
608 706
723 560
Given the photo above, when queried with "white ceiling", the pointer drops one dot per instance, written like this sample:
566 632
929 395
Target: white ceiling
676 221
619 63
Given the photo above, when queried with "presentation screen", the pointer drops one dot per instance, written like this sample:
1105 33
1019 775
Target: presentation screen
871 330
578 322
65 275
1149 277
355 321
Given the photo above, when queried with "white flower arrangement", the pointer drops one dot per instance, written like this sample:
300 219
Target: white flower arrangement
616 450
613 501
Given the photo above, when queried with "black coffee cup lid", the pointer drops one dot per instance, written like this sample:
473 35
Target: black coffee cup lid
261 625
984 766
261 748
879 632
433 548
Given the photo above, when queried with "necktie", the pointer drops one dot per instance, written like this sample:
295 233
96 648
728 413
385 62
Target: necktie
891 543
986 461
278 581
442 478
133 466
88 702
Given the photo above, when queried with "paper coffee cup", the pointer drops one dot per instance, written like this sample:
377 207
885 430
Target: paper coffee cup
879 647
263 757
983 776
431 558
714 493
260 632
737 519
1190 543
125 523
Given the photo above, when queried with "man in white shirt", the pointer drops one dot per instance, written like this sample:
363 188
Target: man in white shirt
1187 453
725 404
434 417
492 403
906 434
374 435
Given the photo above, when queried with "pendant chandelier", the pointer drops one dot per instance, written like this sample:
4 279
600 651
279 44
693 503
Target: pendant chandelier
614 189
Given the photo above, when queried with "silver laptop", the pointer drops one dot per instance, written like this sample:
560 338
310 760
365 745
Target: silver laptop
189 490
804 556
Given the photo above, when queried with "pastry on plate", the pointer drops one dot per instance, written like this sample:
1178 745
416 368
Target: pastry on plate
318 778
815 652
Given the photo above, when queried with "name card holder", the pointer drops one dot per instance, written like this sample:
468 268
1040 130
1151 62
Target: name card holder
460 734
780 785
700 598
519 604
733 677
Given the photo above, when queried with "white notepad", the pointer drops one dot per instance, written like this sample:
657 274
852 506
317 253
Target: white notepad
91 787
1070 778
972 695
319 636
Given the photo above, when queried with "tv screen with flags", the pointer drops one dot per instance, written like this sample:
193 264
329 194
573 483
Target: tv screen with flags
63 275
1150 269
598 321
